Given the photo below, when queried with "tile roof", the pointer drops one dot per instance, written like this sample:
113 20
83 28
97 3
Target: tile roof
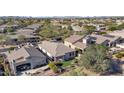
80 45
33 26
24 52
104 38
117 33
73 38
28 33
55 48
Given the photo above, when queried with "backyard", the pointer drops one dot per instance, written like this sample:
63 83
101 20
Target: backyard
119 55
69 63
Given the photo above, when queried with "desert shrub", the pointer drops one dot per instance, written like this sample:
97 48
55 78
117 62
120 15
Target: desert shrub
102 33
53 67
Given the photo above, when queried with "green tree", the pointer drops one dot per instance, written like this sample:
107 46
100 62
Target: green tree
95 58
121 26
89 29
10 29
70 28
47 21
10 21
113 27
50 31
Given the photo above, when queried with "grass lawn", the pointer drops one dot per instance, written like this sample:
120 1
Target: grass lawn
67 63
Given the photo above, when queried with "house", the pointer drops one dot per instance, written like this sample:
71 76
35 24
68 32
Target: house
3 28
34 27
80 42
107 40
25 58
28 35
101 27
56 51
119 33
75 42
119 22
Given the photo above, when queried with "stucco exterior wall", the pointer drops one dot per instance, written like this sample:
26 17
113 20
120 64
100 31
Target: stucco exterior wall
63 57
36 61
69 45
69 55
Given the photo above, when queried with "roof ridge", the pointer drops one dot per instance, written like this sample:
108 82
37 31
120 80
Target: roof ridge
57 46
26 49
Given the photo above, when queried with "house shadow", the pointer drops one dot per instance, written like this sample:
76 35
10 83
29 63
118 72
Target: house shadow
118 67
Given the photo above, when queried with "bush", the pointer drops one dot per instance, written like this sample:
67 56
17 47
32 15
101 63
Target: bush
10 30
1 60
53 67
113 27
12 33
119 55
12 48
102 33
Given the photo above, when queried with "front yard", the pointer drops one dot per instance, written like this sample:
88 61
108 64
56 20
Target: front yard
67 63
